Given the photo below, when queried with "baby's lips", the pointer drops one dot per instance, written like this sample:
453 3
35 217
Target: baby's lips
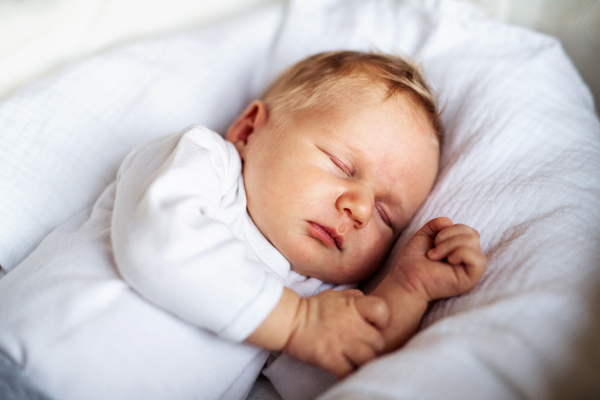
339 238
328 236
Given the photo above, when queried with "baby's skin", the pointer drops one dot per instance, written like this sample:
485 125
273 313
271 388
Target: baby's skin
341 330
441 260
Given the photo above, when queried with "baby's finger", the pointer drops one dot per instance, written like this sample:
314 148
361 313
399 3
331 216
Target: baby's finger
454 230
370 335
374 309
340 367
424 238
360 354
472 259
433 227
443 249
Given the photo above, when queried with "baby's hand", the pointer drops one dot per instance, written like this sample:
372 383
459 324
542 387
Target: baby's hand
441 260
338 330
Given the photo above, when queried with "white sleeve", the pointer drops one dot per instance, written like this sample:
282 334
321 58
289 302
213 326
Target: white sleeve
168 245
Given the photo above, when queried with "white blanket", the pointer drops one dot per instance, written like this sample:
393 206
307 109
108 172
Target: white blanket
521 164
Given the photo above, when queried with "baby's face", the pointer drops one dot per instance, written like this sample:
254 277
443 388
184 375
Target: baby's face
334 188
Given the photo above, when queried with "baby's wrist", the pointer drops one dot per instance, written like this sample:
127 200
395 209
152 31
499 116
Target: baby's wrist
412 289
275 332
295 331
407 307
293 328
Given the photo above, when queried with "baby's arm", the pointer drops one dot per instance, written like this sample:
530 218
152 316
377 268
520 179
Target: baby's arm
441 260
170 248
335 330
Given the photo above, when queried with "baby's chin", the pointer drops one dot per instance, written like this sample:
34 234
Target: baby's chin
328 274
309 258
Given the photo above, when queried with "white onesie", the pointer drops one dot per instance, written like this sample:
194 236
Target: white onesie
149 294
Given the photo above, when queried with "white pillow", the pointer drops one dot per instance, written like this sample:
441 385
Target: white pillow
62 138
576 23
521 164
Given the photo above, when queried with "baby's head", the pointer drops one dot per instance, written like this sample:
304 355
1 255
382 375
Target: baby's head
338 155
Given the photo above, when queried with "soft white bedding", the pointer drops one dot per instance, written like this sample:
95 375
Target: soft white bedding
521 163
576 23
39 37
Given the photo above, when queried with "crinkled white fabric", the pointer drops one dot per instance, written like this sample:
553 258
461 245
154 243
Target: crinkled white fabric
521 164
144 296
64 137
576 23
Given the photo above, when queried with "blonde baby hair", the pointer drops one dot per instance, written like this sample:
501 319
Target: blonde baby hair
322 77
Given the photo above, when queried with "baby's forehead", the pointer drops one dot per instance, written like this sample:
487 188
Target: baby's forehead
376 102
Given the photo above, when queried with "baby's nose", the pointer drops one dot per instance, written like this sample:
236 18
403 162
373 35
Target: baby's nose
357 202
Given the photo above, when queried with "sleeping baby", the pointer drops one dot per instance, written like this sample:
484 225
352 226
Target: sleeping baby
205 254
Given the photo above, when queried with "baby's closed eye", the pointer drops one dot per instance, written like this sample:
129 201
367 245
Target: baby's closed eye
383 215
340 165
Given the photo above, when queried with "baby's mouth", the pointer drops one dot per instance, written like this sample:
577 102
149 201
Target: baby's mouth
326 235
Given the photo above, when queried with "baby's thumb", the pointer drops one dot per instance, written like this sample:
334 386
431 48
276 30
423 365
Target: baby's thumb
435 226
424 239
374 309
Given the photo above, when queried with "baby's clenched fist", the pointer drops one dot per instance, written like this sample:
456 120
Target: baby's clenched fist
338 330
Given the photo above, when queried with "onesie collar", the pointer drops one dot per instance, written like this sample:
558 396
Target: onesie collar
264 250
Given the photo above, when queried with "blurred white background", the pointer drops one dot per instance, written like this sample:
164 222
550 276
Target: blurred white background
39 36
575 22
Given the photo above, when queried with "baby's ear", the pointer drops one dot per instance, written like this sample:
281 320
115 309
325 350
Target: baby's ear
253 119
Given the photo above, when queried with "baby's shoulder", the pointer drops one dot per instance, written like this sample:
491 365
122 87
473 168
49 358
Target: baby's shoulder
204 137
210 152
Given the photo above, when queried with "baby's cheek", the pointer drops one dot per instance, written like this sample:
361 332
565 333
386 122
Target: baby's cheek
360 266
343 270
378 243
381 248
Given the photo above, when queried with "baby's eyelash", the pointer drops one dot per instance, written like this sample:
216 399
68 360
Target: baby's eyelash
384 216
340 165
